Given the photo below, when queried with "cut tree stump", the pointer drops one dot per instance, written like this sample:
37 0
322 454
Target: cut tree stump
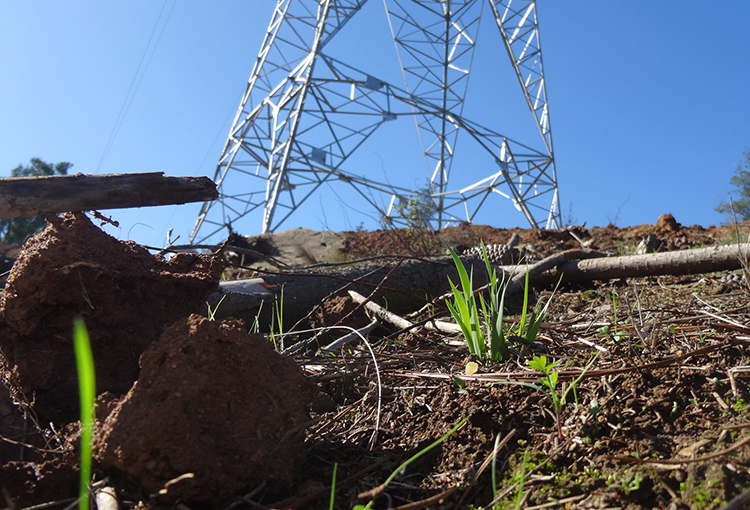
28 196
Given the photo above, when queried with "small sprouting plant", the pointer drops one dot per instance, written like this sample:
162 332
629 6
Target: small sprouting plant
255 328
380 488
522 480
333 485
625 483
615 332
212 311
87 394
529 325
277 320
549 385
465 311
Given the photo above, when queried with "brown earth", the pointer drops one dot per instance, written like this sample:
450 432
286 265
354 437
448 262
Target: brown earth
227 394
657 422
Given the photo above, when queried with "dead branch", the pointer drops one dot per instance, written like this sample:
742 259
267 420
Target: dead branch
411 284
380 312
518 282
683 262
27 196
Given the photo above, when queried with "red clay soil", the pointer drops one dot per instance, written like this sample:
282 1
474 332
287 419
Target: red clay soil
216 414
213 401
210 400
126 295
545 242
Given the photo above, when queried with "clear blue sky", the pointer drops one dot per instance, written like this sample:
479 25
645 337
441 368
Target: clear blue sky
649 101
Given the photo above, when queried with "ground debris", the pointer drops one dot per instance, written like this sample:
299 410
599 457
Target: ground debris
660 421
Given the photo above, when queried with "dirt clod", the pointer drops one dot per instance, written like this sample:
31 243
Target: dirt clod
126 296
213 401
32 483
668 223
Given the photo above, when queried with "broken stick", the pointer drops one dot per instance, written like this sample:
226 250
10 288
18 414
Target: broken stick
683 262
28 196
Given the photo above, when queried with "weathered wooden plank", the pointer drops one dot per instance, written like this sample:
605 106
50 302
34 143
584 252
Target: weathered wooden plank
27 196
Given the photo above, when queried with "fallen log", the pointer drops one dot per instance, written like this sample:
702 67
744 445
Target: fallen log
408 288
682 262
415 282
28 196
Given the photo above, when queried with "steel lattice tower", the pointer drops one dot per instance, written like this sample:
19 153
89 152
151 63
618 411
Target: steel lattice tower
304 113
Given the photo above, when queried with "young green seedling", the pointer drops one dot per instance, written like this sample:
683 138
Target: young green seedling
212 311
493 314
333 485
465 311
87 394
549 385
529 325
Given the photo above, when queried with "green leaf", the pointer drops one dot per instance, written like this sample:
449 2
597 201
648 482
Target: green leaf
539 363
458 381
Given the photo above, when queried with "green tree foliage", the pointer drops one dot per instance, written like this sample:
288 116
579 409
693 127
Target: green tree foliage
741 181
418 210
16 230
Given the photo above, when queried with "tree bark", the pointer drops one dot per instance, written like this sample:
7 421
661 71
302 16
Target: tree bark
27 196
683 262
407 289
416 282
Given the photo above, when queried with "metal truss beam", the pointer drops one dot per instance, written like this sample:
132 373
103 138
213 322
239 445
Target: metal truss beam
304 113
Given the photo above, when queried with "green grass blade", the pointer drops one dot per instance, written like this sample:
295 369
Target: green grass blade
333 485
464 327
477 334
462 274
503 345
425 450
577 379
87 394
461 303
522 324
539 316
379 490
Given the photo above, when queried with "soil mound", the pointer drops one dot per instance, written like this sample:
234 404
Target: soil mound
238 403
126 296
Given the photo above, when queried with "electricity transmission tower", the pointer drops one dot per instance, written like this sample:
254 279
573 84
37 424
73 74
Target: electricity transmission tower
304 113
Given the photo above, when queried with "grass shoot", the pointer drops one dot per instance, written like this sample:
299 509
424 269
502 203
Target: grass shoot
277 320
333 485
465 311
212 311
87 394
380 488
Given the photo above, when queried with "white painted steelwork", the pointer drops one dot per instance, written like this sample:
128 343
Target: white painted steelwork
304 113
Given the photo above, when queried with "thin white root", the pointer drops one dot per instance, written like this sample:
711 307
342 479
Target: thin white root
355 334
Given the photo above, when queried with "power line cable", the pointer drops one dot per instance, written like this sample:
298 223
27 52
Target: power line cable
137 78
